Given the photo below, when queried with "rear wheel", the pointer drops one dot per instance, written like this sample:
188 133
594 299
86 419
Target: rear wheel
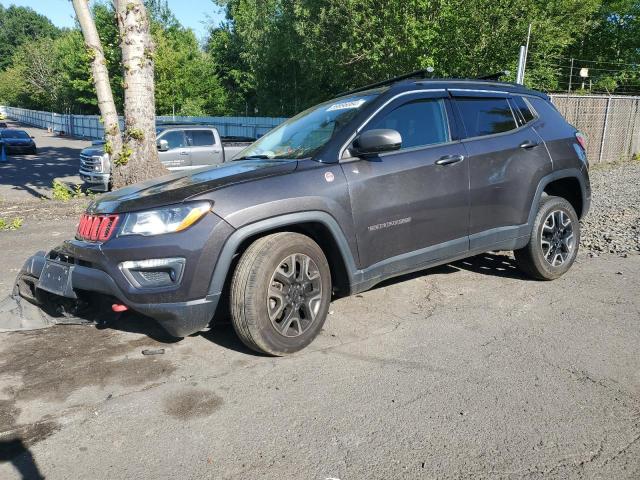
280 293
555 237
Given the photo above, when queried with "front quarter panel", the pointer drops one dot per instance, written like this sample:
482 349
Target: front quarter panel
313 186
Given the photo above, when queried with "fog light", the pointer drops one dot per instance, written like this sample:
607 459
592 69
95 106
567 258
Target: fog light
153 273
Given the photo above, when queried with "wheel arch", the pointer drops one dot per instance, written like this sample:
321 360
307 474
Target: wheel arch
570 184
319 226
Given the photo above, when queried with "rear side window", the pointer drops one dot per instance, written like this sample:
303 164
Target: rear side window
201 138
523 108
420 123
486 116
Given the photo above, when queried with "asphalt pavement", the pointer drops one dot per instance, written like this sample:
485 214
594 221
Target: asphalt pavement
466 371
24 177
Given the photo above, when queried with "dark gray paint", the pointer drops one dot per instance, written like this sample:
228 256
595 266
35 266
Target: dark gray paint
388 214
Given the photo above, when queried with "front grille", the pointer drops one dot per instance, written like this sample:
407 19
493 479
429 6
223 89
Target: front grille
96 228
92 164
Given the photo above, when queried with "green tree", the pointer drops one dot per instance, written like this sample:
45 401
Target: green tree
611 47
19 25
285 55
185 79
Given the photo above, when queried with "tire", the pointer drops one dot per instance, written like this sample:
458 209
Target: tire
554 242
267 294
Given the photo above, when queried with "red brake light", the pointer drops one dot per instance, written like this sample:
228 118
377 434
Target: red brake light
96 228
581 140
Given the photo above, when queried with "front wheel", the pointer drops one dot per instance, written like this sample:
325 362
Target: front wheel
280 293
555 237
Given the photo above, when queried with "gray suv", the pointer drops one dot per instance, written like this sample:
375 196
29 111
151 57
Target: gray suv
390 179
180 147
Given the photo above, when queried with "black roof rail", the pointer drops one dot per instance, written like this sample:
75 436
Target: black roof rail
415 74
494 76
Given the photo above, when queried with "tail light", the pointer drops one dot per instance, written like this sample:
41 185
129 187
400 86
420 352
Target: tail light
96 228
582 140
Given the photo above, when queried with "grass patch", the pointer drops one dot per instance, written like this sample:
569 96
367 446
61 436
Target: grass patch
63 193
10 224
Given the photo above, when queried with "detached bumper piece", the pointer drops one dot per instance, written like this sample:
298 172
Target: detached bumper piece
66 282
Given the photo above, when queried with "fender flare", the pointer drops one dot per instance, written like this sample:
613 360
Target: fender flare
565 173
230 247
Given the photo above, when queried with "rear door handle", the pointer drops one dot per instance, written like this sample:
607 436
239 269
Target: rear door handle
528 144
450 159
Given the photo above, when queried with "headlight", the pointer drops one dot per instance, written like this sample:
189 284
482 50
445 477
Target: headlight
97 164
164 220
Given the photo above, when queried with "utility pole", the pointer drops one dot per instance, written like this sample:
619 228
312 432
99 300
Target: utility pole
522 59
526 53
570 76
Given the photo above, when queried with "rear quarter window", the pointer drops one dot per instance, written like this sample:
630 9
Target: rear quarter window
524 110
486 116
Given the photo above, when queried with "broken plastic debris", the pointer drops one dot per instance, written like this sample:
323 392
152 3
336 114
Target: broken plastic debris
149 351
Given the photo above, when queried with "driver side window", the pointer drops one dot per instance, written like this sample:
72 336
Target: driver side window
419 122
175 139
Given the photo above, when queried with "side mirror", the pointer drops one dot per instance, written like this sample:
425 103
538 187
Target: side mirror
373 142
162 145
32 136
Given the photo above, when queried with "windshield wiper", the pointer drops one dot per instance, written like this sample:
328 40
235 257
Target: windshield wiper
254 157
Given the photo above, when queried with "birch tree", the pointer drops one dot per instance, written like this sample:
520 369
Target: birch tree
100 76
138 160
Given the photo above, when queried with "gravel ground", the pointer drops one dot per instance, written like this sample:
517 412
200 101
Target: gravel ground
613 224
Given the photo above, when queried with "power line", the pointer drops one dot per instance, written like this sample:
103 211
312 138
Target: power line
558 57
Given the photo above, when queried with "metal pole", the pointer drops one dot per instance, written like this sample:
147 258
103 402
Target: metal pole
526 53
570 76
604 129
521 61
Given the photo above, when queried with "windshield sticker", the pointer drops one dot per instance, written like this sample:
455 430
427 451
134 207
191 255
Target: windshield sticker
346 105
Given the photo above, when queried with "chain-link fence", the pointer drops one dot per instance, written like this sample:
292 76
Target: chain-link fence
89 126
611 124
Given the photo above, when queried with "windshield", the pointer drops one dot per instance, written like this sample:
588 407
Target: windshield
306 133
15 134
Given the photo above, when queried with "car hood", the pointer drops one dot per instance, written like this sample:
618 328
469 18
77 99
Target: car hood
96 151
181 186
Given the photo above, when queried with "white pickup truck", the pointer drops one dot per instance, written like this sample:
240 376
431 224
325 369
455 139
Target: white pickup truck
180 147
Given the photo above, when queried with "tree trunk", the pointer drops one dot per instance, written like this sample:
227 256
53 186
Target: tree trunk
139 158
100 74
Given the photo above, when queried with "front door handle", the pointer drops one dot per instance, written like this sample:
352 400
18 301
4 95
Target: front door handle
528 144
184 152
450 159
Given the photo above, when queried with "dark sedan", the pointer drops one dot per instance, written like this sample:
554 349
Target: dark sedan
17 141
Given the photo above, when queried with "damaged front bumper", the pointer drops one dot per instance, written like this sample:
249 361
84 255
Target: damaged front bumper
73 279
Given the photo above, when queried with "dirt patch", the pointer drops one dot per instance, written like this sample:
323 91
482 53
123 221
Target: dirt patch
192 404
50 364
38 209
14 439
